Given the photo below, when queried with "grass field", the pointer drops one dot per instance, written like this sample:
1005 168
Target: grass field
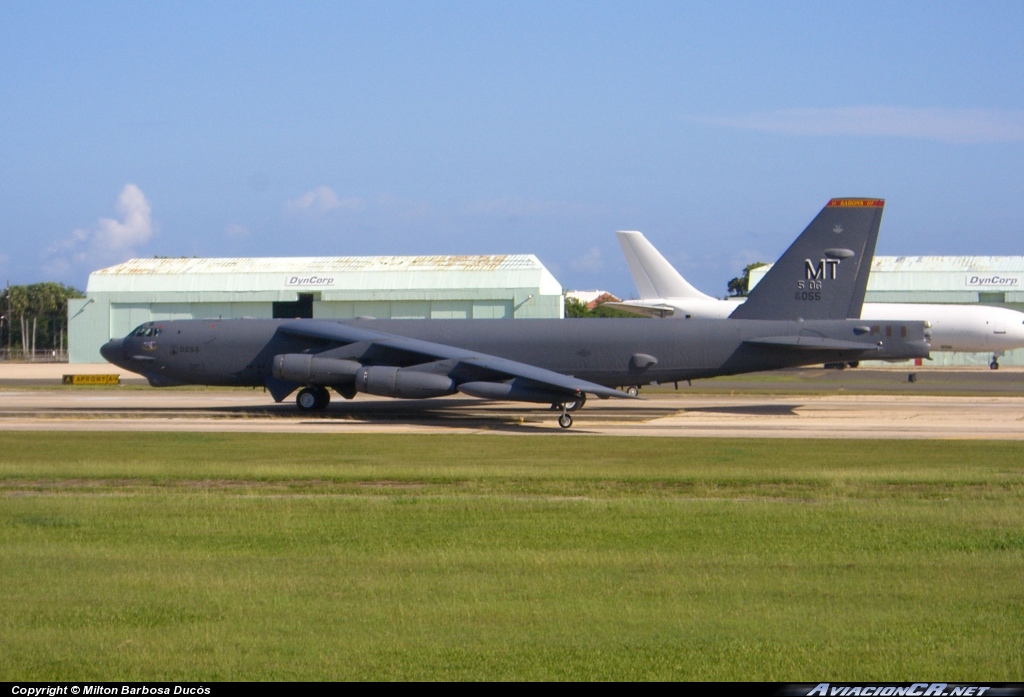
297 557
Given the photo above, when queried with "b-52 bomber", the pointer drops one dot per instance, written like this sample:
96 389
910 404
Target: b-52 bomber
798 315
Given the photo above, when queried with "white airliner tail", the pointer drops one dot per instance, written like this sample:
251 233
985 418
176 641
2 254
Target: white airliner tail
653 275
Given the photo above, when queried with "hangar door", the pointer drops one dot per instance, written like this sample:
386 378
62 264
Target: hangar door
298 309
124 317
492 309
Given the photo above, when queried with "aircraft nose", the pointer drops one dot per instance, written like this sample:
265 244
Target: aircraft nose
111 350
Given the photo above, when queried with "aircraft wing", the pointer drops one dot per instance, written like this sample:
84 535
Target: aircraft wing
477 374
813 343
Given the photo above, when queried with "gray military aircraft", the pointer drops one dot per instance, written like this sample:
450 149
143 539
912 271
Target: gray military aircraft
797 315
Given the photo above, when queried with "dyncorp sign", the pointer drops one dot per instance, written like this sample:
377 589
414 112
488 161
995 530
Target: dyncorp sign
994 281
310 281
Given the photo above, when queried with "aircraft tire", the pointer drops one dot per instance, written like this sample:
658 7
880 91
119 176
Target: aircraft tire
576 405
994 365
565 421
323 397
308 399
633 391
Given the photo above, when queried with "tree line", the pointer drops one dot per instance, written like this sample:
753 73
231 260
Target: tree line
740 286
576 309
35 317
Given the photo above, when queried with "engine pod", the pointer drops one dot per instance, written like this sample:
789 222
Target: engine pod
389 381
312 370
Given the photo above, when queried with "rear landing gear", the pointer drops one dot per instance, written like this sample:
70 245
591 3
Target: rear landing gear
313 398
633 391
994 365
565 421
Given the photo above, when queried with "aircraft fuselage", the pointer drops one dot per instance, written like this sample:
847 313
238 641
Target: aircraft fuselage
241 351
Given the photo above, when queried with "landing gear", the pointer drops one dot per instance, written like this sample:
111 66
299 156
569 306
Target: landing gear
994 365
565 421
313 398
576 405
633 391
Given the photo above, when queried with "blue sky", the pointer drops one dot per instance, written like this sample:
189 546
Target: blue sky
321 129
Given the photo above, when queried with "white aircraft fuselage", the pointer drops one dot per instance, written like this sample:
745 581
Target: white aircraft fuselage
962 328
954 328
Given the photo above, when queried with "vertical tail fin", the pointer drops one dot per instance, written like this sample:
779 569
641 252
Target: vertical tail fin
824 273
653 275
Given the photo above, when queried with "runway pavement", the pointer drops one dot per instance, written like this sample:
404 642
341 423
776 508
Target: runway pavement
663 414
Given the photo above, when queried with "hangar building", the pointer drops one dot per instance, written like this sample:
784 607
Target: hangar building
935 279
119 298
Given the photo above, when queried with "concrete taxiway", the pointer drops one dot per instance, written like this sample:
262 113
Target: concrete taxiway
907 410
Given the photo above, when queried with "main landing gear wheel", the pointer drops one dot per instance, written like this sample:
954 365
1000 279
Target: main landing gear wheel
565 421
313 398
576 405
994 365
633 391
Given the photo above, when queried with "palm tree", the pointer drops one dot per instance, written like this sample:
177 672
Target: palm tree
46 301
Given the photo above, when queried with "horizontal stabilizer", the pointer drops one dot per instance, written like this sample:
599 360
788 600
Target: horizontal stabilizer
638 307
813 343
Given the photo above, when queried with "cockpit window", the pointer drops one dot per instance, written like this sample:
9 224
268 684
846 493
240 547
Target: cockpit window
146 330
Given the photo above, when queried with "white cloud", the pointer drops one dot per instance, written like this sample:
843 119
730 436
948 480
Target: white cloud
322 199
135 226
110 240
236 230
946 125
591 261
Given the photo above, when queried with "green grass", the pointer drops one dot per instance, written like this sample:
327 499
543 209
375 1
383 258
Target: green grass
265 557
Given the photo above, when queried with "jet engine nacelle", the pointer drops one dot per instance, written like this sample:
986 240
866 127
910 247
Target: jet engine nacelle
312 370
514 391
388 381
